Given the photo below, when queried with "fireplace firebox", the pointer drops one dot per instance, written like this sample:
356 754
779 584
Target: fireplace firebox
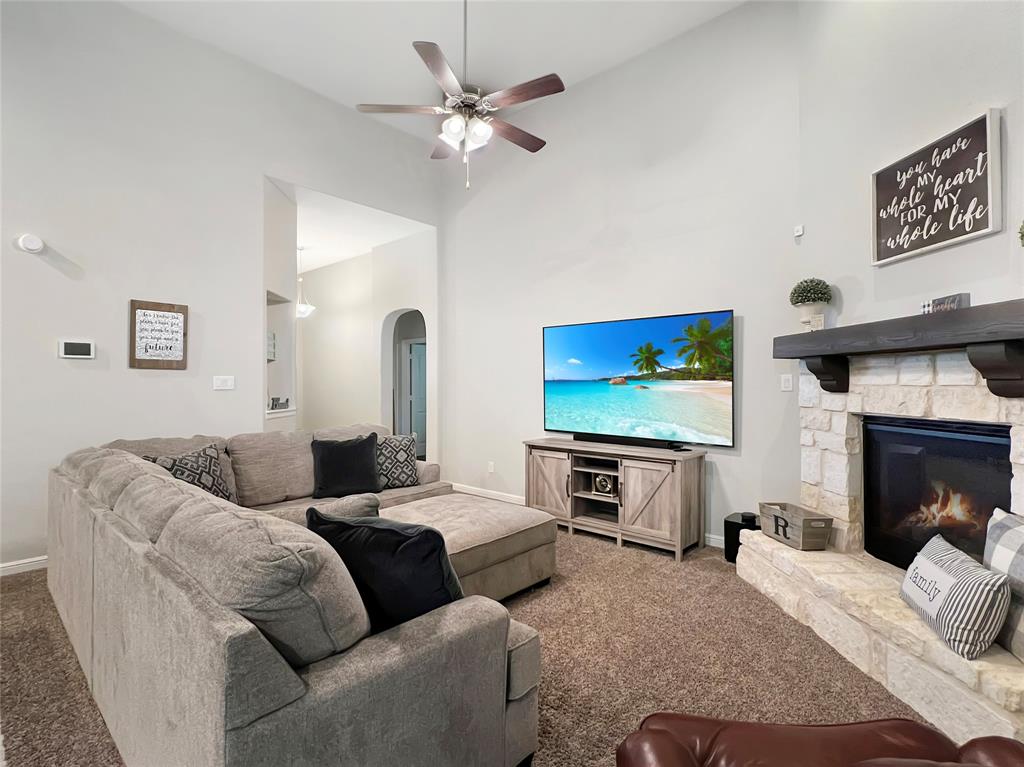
928 477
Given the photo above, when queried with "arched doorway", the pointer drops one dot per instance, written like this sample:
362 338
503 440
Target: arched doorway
409 355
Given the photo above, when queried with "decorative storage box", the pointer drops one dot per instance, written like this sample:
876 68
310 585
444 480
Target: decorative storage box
795 526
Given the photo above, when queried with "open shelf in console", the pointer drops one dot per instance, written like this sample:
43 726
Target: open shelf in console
591 509
595 483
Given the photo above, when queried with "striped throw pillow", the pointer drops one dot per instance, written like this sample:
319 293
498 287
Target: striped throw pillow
1004 553
964 603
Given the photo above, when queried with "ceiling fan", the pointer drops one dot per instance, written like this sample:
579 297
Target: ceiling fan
470 123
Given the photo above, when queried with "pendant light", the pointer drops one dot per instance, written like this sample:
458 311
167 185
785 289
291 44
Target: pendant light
302 309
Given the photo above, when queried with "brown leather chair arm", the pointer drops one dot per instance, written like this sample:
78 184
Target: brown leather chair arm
650 748
993 752
680 740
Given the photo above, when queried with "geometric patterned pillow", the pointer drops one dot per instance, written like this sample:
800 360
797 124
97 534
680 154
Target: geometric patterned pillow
962 602
396 461
1004 553
200 468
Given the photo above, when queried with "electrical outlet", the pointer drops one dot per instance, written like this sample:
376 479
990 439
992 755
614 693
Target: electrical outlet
223 383
786 382
490 467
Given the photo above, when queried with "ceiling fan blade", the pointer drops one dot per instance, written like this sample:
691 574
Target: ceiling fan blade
517 136
441 151
400 109
534 89
438 66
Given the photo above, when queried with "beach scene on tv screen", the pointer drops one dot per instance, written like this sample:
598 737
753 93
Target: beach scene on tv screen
663 378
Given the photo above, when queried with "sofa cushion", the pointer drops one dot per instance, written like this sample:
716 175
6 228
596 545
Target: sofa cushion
285 579
272 466
201 468
175 446
523 659
345 467
106 473
396 461
359 505
402 571
479 532
295 509
148 502
350 431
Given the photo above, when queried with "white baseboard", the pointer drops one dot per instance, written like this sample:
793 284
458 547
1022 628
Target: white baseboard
718 541
22 565
518 500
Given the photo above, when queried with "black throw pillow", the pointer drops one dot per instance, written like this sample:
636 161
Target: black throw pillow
345 467
402 571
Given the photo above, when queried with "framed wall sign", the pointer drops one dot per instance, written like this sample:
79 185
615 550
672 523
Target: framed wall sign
158 336
946 193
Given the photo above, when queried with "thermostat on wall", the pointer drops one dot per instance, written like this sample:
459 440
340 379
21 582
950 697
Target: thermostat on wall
76 350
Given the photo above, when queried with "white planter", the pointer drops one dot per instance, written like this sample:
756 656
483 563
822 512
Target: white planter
813 314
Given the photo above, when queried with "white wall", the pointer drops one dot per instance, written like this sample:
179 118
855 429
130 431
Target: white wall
140 156
878 81
773 115
686 207
280 224
347 343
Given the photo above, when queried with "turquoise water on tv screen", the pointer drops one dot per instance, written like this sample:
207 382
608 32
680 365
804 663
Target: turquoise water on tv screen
665 378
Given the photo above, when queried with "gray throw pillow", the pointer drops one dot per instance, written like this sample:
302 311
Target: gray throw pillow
201 468
962 602
361 505
1004 553
396 461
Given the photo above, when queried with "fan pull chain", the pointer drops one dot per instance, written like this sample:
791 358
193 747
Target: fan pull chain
465 161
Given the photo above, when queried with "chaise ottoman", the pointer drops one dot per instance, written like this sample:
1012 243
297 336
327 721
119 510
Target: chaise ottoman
496 548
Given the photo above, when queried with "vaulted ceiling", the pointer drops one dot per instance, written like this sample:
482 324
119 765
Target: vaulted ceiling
354 52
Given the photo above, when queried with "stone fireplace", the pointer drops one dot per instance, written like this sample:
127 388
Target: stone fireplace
920 443
943 386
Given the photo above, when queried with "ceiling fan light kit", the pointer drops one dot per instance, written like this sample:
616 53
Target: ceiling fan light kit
470 125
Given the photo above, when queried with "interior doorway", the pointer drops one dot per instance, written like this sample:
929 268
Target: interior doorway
410 393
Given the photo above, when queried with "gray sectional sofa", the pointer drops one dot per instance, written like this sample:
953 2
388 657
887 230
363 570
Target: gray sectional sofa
189 668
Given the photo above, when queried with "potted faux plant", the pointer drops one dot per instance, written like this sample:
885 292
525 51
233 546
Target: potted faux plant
811 296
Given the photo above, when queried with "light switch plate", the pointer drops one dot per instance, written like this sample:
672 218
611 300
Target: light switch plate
223 383
786 382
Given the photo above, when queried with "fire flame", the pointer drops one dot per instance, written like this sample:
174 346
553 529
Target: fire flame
944 508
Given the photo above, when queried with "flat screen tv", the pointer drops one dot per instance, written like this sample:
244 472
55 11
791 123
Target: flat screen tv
656 379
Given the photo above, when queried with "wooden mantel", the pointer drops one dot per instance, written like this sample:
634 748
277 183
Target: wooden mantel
993 335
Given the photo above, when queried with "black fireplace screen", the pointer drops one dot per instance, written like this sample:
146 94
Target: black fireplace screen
928 477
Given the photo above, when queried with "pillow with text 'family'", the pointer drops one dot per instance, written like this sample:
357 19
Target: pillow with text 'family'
962 601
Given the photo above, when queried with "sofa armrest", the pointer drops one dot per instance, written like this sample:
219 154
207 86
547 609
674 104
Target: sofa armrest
428 472
430 691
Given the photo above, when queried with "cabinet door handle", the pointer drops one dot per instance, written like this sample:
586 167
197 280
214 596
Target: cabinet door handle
622 489
566 485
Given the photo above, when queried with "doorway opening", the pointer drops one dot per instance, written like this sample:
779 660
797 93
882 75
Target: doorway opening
410 390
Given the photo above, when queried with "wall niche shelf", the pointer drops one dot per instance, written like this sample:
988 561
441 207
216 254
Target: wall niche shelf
992 334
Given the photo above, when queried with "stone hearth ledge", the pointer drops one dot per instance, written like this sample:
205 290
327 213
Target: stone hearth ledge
851 600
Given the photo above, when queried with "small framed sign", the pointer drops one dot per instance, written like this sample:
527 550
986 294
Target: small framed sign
158 336
943 194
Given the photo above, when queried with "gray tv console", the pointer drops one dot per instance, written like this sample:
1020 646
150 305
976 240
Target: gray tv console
652 496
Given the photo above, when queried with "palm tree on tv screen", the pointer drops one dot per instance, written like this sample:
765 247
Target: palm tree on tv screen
702 347
646 358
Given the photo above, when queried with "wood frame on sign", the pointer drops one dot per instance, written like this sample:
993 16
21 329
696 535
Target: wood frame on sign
156 364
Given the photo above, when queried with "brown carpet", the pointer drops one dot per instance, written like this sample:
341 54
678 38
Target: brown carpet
625 632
